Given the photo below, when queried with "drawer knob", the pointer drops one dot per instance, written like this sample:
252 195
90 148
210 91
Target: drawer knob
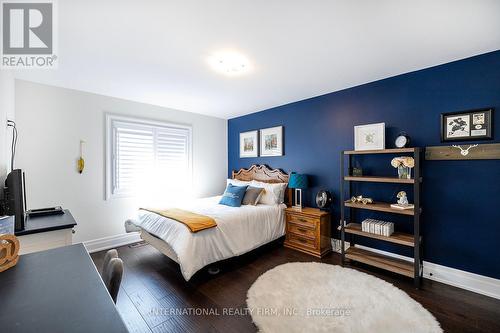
302 230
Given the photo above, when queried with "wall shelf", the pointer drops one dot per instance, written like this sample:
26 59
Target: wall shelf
353 230
399 266
379 179
381 151
484 151
397 237
380 207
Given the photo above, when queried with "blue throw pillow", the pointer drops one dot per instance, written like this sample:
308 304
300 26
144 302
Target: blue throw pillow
233 195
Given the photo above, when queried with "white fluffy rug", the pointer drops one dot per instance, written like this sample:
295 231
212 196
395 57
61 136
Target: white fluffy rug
314 297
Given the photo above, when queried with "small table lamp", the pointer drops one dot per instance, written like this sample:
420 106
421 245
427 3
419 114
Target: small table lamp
299 183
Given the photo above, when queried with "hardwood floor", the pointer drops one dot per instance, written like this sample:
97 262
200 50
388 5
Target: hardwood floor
153 286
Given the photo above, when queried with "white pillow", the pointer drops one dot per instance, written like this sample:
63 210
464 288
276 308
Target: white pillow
237 182
273 193
283 191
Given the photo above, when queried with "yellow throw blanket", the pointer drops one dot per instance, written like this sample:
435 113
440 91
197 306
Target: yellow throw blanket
195 222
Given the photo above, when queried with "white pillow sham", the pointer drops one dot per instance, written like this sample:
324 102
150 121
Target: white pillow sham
237 182
274 193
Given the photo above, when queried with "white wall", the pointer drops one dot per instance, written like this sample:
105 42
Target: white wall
51 121
6 112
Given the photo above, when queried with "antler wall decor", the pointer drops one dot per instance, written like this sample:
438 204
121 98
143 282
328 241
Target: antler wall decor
488 151
464 152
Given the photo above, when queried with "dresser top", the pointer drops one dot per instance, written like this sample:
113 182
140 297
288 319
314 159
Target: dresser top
309 211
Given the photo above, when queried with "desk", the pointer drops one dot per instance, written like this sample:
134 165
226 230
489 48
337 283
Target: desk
46 232
57 290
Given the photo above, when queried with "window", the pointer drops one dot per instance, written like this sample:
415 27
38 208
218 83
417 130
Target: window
146 158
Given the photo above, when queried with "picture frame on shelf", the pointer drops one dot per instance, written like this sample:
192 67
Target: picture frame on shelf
249 144
369 137
467 125
271 141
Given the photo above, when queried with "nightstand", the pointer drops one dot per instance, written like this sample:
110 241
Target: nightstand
308 230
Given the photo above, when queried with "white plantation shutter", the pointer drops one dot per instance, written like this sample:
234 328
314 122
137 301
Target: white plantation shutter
134 155
172 151
148 157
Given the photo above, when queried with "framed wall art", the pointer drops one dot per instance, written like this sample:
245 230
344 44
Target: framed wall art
249 144
467 125
271 141
369 137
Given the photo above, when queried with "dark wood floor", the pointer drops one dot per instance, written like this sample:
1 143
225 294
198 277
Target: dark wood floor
153 282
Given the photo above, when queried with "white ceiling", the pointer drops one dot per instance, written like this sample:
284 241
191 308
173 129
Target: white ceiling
156 51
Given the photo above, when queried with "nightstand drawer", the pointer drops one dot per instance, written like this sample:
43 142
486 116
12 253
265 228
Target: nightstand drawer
302 241
302 221
301 230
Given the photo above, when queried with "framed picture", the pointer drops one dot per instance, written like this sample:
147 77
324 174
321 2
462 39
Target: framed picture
271 141
249 144
369 137
467 125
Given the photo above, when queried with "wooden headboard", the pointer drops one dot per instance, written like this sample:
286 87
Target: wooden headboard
263 173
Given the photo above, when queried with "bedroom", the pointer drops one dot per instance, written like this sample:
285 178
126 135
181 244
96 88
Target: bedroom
150 114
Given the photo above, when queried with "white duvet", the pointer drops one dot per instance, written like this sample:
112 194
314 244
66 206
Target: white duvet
239 230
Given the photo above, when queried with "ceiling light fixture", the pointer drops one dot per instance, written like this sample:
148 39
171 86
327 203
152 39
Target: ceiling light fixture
229 63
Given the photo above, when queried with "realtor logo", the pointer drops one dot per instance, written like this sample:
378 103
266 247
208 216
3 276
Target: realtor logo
28 34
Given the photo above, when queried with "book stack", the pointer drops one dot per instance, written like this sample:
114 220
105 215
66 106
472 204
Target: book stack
377 227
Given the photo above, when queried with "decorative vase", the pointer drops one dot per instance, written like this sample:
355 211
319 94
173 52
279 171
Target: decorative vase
404 172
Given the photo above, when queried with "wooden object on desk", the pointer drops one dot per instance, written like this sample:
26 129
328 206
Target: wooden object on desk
484 151
308 230
9 251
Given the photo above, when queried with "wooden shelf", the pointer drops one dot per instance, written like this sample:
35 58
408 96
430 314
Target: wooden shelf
396 237
380 207
381 151
379 179
399 266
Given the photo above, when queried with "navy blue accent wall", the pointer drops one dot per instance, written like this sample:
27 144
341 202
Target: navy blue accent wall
461 199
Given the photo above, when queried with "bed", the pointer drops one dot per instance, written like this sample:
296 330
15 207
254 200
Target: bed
239 229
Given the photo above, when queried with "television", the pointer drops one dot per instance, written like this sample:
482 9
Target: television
15 197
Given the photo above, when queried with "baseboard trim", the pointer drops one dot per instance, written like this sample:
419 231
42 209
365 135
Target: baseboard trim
106 243
462 279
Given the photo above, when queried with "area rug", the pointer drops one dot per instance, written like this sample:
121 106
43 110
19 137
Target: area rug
315 297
